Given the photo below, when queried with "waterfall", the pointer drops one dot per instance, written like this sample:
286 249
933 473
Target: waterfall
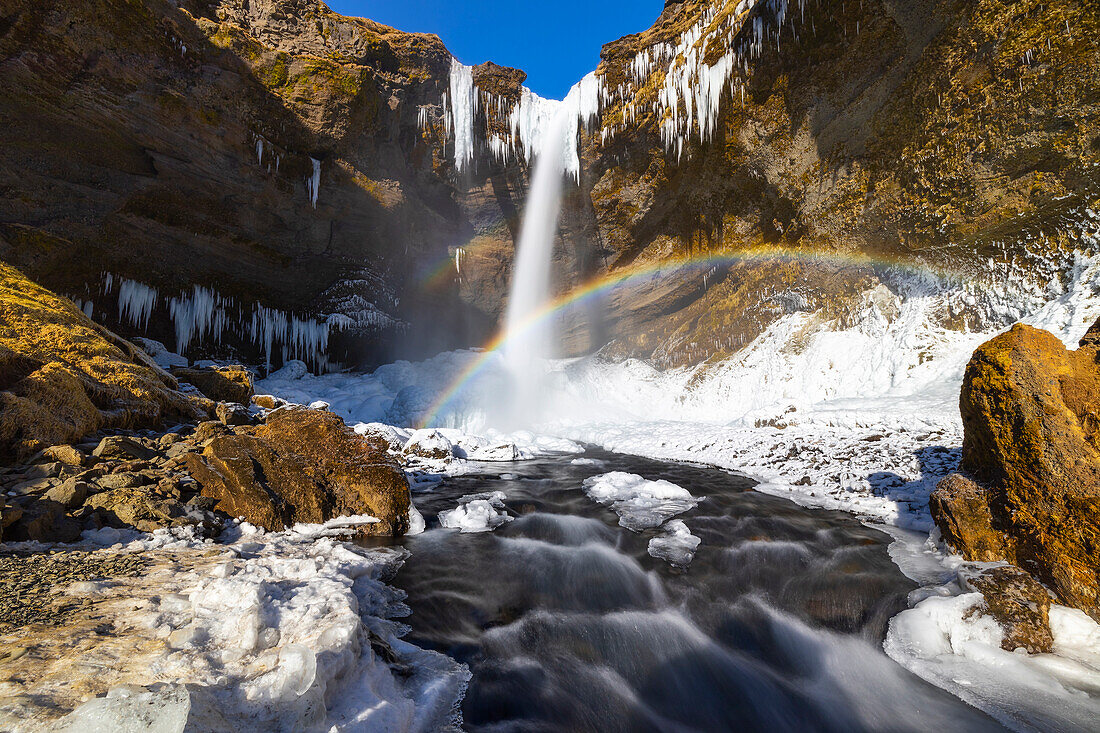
528 337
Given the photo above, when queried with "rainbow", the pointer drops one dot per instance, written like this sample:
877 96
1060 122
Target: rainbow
600 285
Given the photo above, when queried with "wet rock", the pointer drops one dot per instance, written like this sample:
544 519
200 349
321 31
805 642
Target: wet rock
1019 604
233 414
303 465
122 448
221 383
1032 438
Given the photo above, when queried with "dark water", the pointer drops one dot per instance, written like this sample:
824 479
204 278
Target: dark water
569 625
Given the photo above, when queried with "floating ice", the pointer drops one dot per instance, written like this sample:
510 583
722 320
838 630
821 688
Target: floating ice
477 513
676 546
640 503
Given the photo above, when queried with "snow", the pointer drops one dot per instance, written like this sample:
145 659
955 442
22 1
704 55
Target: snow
160 354
477 513
274 631
943 640
676 546
640 503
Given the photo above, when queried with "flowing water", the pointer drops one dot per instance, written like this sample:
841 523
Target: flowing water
568 624
527 338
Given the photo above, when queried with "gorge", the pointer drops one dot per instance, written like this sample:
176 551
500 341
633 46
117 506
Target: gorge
346 386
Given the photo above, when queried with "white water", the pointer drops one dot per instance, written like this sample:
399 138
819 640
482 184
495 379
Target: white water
529 340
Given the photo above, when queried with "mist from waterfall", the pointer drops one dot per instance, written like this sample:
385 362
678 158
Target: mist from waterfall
528 337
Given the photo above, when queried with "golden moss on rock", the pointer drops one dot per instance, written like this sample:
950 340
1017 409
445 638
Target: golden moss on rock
1032 437
63 377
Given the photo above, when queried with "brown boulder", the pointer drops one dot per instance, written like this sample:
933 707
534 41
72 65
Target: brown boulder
1032 435
961 509
221 384
303 466
62 376
1019 605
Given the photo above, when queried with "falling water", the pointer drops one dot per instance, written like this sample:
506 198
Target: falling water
528 336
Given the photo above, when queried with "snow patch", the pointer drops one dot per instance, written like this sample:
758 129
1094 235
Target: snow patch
477 513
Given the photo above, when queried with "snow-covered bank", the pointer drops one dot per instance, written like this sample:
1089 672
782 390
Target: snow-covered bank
275 631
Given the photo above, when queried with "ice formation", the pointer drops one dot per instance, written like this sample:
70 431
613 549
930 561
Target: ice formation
477 513
203 314
691 90
530 121
640 503
269 631
313 183
676 546
136 302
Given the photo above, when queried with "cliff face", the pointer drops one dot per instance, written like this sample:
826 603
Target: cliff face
267 151
285 158
933 134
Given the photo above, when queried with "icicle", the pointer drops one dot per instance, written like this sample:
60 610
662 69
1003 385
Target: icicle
136 302
313 184
463 110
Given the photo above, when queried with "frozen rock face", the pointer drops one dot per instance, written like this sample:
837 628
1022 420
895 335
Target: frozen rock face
62 376
304 466
1031 437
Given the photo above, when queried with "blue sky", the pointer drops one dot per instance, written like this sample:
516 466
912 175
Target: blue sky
555 42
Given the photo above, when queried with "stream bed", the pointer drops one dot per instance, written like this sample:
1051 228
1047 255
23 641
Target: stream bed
568 623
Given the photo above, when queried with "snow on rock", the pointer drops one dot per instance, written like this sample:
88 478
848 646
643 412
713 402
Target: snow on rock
639 502
676 546
429 445
272 631
942 640
477 513
160 354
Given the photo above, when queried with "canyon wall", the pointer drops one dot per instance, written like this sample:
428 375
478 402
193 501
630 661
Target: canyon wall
299 175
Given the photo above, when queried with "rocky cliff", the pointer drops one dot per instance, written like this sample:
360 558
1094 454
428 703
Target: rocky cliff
269 176
253 173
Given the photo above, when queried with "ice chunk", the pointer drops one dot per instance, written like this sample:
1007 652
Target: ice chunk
416 521
477 513
676 546
640 503
132 709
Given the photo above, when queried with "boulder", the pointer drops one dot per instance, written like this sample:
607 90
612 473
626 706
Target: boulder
233 414
221 383
303 465
70 494
1018 604
122 448
1031 448
961 509
429 444
66 454
139 509
62 376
